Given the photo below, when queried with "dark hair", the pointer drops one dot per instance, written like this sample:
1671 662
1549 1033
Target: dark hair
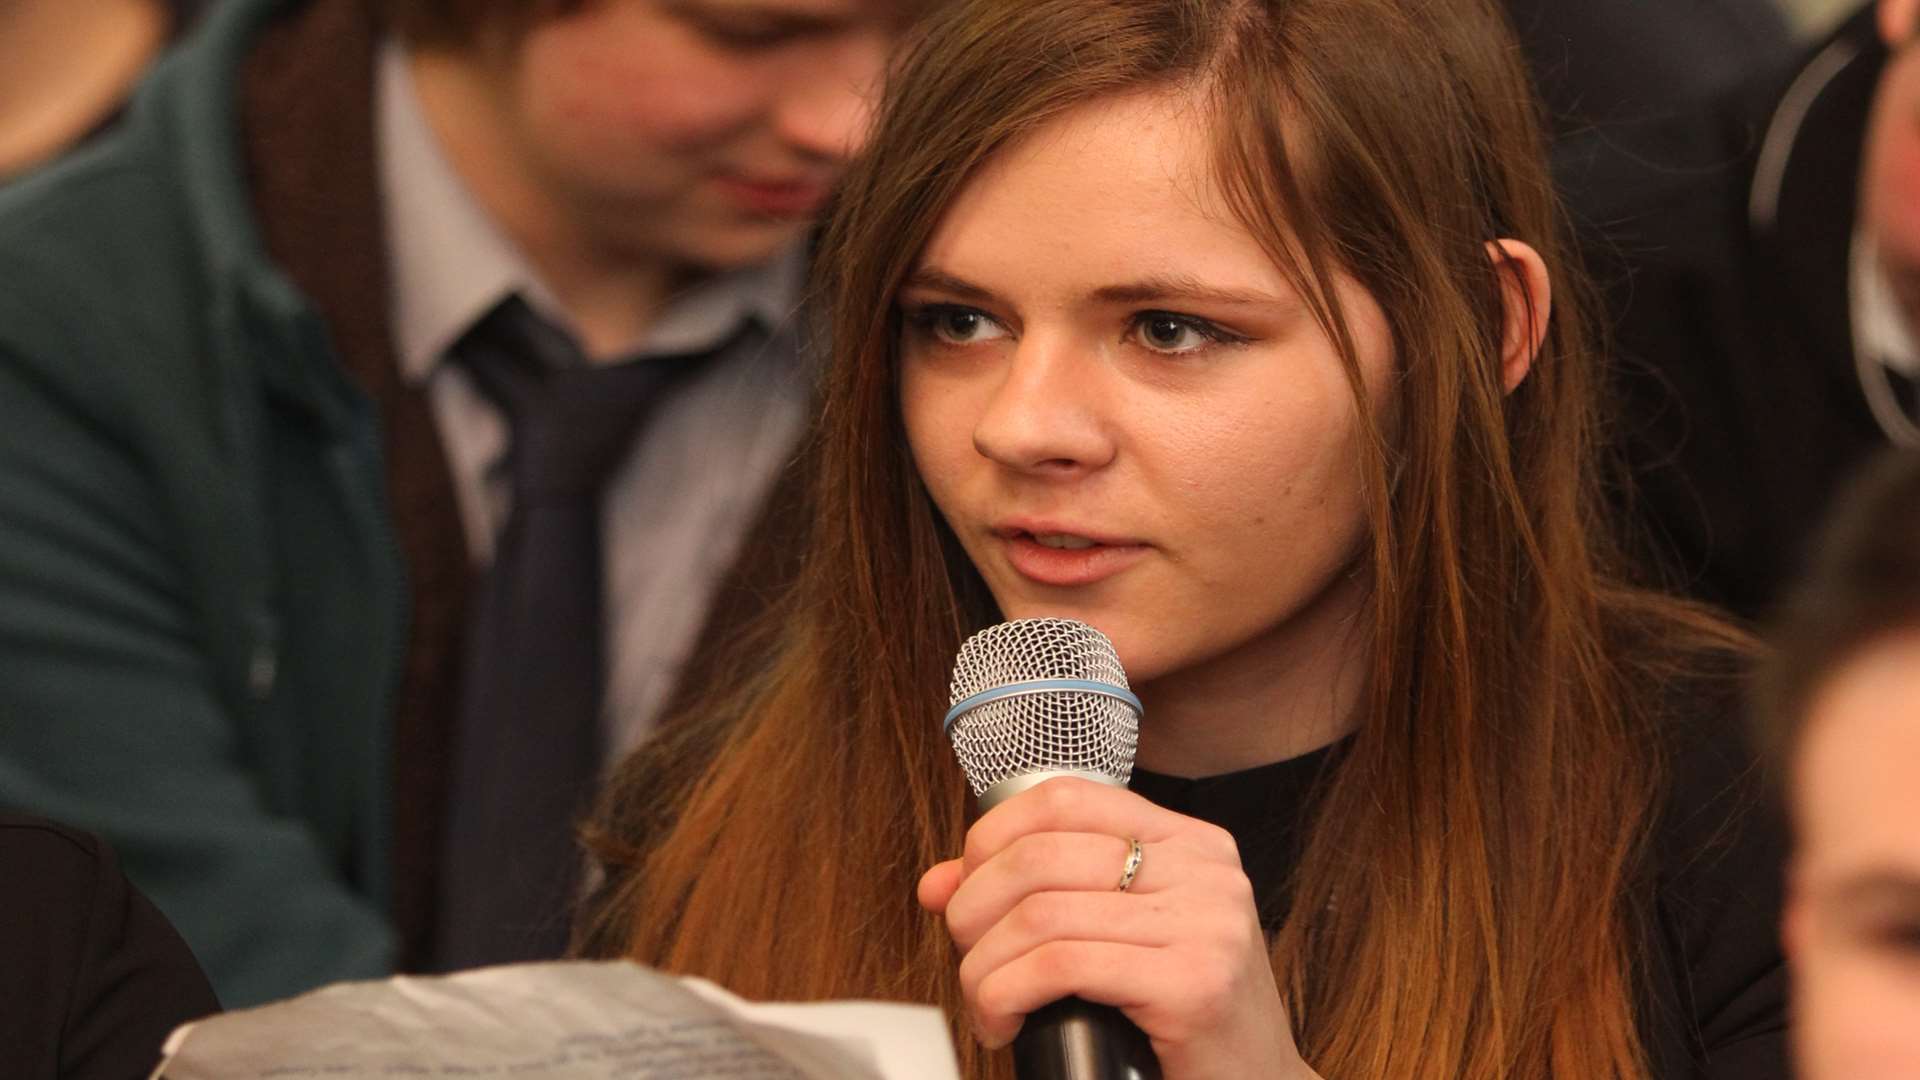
1862 585
1503 777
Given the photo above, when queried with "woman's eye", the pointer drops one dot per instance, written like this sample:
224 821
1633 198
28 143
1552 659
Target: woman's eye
1903 937
955 325
1168 333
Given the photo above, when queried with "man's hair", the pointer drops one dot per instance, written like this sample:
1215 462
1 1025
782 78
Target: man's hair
456 23
1863 586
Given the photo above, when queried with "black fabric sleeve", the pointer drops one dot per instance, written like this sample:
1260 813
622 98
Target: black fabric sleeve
94 977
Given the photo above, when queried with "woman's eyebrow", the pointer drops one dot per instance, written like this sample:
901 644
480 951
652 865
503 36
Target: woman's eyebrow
937 280
1157 288
1180 287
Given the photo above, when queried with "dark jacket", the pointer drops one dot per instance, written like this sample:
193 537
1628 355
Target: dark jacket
94 977
202 608
1739 408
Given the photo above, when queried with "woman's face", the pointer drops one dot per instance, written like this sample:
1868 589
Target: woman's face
1853 906
1124 411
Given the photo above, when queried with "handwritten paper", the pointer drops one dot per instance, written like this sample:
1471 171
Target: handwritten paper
570 1020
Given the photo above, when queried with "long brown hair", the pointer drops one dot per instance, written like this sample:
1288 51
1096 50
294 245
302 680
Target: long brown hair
1462 906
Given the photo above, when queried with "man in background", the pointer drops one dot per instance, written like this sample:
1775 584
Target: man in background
379 402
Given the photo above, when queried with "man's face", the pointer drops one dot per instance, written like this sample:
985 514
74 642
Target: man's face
1853 906
1890 183
697 133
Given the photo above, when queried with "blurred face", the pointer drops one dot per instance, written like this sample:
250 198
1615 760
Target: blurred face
1124 411
1853 919
697 132
1890 184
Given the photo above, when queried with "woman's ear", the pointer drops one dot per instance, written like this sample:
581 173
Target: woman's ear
1527 297
1896 21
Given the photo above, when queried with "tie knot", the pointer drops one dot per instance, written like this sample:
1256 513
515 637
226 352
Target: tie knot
571 422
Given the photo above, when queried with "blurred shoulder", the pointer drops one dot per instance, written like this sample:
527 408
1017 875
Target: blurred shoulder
1715 860
95 975
1687 668
41 855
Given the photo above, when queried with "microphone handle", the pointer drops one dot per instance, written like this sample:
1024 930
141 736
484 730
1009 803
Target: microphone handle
1074 1039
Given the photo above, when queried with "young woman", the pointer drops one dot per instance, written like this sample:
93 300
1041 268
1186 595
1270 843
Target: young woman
1241 330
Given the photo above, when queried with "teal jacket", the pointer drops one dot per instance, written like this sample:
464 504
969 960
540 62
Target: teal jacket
202 605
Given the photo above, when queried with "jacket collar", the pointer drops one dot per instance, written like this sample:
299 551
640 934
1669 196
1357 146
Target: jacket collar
263 323
1804 192
1800 135
191 103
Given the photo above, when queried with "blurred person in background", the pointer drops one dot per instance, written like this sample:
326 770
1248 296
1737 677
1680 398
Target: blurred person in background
322 375
66 68
1840 709
1768 328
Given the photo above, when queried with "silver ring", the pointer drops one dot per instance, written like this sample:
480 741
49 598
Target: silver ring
1132 867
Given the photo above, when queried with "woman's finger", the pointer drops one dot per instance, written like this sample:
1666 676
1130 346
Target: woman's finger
1114 918
938 883
1100 971
1177 996
1043 863
1206 920
1072 805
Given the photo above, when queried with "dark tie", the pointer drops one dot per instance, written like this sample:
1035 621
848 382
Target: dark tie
527 745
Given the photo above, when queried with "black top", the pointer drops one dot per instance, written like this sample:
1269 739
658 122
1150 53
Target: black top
1713 995
92 976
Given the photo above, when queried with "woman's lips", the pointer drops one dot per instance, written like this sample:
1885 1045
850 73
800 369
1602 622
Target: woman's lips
1062 566
772 197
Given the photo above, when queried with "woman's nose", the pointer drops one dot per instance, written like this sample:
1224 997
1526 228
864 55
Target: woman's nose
1046 415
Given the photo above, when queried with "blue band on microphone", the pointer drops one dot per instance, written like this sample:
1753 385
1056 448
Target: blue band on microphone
1042 686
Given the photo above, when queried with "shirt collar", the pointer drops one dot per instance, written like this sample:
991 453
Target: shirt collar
1880 328
709 313
451 264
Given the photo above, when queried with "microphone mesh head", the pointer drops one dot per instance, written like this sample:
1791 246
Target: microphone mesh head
1078 730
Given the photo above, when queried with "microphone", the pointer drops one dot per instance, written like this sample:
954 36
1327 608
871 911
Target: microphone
1033 699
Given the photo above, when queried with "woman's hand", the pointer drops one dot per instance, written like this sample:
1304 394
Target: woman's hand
1033 906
